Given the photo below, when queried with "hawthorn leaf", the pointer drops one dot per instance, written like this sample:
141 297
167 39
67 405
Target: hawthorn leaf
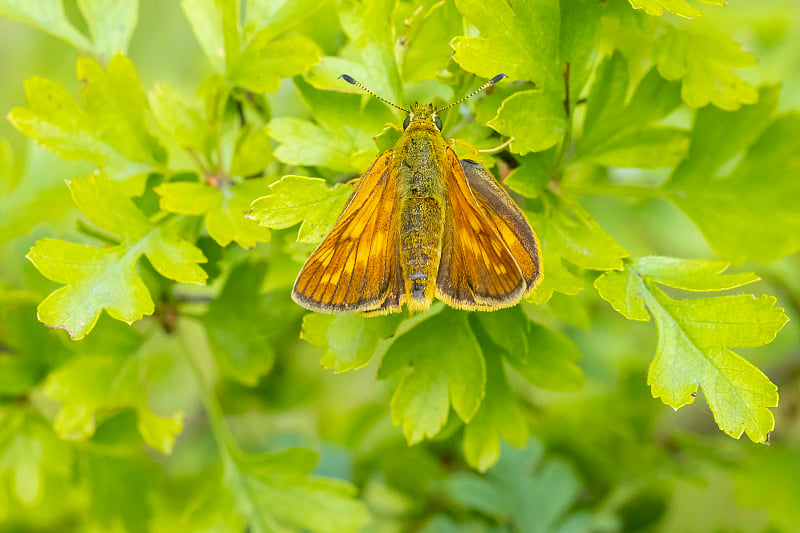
224 208
91 385
522 489
702 60
252 152
181 120
532 175
106 278
277 15
110 130
620 134
296 199
498 416
750 213
371 60
550 361
244 327
682 8
264 62
215 26
535 118
621 290
426 47
278 486
436 372
695 338
111 24
33 461
47 15
349 340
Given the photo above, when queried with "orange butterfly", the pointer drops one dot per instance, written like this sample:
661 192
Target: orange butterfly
422 223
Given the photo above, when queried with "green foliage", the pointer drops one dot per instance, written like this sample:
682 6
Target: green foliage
196 402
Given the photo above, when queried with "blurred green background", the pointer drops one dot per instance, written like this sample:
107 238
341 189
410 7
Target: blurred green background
610 457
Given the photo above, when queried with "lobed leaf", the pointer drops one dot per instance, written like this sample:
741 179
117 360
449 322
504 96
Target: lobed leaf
106 278
296 199
349 340
679 7
455 375
110 131
750 213
702 61
224 209
620 134
695 338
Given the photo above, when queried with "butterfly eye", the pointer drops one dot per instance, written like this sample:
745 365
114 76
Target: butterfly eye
437 122
406 122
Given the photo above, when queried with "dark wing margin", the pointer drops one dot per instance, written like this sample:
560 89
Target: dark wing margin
507 219
355 267
477 269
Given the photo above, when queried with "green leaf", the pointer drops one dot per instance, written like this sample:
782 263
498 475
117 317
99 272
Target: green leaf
275 491
110 131
181 120
106 278
695 338
111 24
619 134
571 240
532 175
252 152
32 459
426 46
679 7
533 495
349 340
216 28
499 415
702 60
296 199
536 119
47 15
224 208
342 137
264 62
551 362
372 52
243 328
444 371
750 212
89 386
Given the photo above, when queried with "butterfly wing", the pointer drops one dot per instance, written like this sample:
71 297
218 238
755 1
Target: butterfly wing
355 268
507 219
477 270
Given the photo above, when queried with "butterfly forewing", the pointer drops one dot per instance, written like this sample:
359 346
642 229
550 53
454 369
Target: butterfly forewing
507 220
477 269
355 267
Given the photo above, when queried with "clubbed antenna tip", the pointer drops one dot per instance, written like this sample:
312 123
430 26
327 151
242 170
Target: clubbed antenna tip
352 81
476 91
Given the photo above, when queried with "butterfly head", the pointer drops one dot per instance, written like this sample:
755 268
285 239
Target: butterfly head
423 113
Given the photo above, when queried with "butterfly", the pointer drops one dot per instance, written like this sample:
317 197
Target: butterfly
422 224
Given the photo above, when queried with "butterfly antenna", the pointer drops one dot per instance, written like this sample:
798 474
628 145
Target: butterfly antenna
473 93
352 81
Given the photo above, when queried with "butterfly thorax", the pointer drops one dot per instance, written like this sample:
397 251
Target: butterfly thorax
419 157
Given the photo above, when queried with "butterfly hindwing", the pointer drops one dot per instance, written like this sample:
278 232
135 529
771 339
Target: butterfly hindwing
507 219
355 268
477 269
